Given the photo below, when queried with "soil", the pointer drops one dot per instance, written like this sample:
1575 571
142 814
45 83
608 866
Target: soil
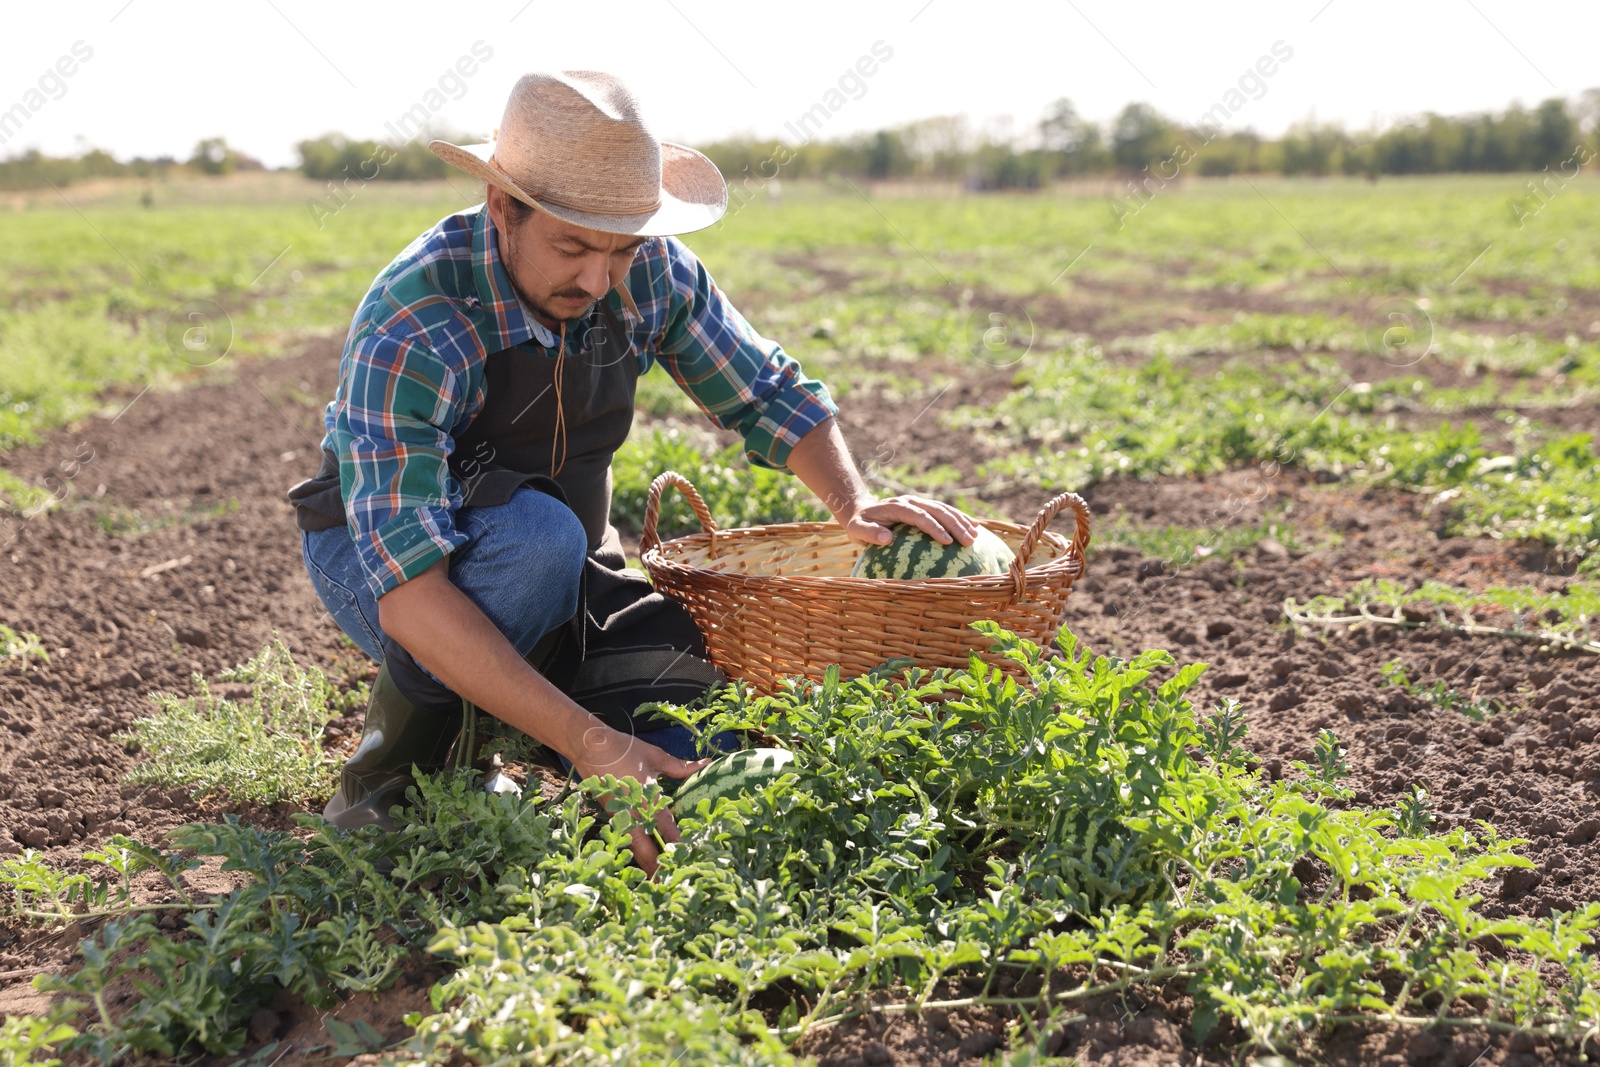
174 554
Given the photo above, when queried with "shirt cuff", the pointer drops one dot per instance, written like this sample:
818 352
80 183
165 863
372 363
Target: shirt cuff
801 408
407 545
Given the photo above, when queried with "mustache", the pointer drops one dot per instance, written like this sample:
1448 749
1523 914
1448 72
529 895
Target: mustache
572 294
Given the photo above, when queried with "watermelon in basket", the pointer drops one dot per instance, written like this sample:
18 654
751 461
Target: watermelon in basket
915 553
791 599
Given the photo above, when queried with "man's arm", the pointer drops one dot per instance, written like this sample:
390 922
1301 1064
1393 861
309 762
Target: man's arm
822 461
745 382
447 633
739 379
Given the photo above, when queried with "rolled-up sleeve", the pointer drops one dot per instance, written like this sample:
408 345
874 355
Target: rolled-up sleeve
394 445
741 380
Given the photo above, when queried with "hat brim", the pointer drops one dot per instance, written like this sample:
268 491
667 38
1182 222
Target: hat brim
693 194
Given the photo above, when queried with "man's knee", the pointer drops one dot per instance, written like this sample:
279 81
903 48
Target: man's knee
336 577
525 563
556 546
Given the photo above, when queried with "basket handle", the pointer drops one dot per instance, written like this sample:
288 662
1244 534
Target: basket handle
1080 537
652 508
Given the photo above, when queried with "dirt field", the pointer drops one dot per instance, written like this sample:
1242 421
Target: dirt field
177 554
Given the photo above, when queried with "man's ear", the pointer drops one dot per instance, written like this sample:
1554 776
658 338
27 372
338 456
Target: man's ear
495 202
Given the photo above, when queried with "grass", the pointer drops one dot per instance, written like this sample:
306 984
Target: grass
89 308
266 749
23 499
660 397
119 521
1402 234
122 294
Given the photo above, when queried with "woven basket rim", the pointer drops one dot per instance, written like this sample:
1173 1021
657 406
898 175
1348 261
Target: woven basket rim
1035 574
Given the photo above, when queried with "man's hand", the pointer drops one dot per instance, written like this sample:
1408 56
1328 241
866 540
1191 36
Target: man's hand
822 460
447 633
871 522
607 751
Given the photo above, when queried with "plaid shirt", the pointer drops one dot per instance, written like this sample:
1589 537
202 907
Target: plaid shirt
412 378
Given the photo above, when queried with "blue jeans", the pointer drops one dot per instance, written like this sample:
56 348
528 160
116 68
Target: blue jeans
521 566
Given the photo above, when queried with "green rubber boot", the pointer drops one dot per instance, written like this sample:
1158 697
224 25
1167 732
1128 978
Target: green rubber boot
396 735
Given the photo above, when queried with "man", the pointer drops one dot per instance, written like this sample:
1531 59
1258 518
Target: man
458 530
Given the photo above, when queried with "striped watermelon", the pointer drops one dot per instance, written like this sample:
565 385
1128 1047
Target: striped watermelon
915 554
731 775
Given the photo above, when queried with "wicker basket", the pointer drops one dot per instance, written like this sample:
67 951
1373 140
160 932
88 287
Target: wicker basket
777 601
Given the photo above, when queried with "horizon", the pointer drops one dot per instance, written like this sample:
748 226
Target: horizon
106 75
1589 124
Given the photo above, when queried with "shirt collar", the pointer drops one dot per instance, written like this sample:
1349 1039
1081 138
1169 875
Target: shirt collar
628 309
513 322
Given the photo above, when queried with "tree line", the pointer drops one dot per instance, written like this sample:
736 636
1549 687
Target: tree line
332 157
34 170
1065 145
1062 145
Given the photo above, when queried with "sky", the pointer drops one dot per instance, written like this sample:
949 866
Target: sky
152 77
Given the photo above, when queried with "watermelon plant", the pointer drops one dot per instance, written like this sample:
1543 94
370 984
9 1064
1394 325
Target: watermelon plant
1440 695
944 839
21 646
1561 619
738 493
1080 418
30 1040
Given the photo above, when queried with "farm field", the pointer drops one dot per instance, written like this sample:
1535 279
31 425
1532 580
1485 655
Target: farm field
1337 440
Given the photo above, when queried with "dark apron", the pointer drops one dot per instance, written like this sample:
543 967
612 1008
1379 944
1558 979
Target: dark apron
627 644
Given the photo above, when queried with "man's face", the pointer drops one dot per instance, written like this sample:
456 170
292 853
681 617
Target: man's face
558 269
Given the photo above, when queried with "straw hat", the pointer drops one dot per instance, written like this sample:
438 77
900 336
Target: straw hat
574 144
